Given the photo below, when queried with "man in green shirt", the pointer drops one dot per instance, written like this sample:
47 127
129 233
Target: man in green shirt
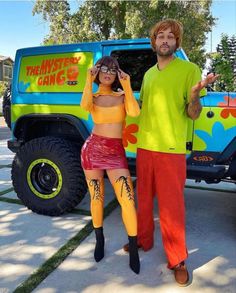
170 94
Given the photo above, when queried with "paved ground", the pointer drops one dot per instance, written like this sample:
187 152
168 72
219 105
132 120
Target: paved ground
29 241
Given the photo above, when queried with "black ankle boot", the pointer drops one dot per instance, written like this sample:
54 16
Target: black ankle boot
133 254
99 248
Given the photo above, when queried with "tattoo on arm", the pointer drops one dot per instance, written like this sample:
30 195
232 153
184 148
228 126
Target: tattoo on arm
194 109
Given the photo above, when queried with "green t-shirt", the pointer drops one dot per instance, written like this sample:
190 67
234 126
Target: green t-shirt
164 95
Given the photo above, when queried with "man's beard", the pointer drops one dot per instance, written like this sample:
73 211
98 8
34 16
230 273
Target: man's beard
166 53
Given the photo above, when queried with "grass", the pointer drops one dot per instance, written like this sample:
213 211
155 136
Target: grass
6 191
81 212
11 200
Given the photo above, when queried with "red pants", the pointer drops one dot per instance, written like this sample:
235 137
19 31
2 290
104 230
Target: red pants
162 174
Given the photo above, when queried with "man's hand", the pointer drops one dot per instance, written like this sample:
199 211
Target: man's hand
201 84
194 107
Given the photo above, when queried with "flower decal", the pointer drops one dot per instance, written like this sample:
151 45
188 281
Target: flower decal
228 110
212 141
23 86
128 136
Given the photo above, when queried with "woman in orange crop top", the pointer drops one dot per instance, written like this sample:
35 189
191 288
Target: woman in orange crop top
103 150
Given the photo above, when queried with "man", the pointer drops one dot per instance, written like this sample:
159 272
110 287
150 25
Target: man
170 94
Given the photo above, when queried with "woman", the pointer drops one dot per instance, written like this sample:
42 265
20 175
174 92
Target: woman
103 150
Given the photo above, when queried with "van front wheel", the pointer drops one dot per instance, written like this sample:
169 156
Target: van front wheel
47 176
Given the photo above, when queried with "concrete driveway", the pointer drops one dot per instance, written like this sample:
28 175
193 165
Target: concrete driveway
55 254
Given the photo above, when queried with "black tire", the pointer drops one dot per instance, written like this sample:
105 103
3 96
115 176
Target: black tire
47 176
6 106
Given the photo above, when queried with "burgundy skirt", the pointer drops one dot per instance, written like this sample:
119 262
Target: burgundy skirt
100 152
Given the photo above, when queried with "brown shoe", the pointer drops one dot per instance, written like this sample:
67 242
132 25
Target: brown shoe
181 274
126 247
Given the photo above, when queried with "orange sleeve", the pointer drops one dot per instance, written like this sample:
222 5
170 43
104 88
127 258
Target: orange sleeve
87 97
131 105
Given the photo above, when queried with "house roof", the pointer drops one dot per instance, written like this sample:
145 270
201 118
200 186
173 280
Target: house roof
3 58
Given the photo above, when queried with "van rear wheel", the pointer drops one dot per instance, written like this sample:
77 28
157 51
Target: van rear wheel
47 176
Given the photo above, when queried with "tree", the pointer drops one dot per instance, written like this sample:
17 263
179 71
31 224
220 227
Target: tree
58 16
223 62
102 20
3 87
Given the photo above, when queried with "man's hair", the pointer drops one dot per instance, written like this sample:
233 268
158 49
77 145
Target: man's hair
176 28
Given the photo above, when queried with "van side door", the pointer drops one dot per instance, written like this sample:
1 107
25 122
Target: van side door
134 59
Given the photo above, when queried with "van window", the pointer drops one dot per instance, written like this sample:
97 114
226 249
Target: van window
7 71
135 63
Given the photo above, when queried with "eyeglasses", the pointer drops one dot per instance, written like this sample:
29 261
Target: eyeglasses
105 69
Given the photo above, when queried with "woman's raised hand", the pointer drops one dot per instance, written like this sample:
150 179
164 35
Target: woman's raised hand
122 75
94 71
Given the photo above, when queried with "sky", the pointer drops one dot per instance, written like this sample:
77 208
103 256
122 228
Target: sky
20 29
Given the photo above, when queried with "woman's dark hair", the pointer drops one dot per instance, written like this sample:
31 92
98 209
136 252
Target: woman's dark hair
110 62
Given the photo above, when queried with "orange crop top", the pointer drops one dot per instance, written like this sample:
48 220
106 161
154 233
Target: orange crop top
113 114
